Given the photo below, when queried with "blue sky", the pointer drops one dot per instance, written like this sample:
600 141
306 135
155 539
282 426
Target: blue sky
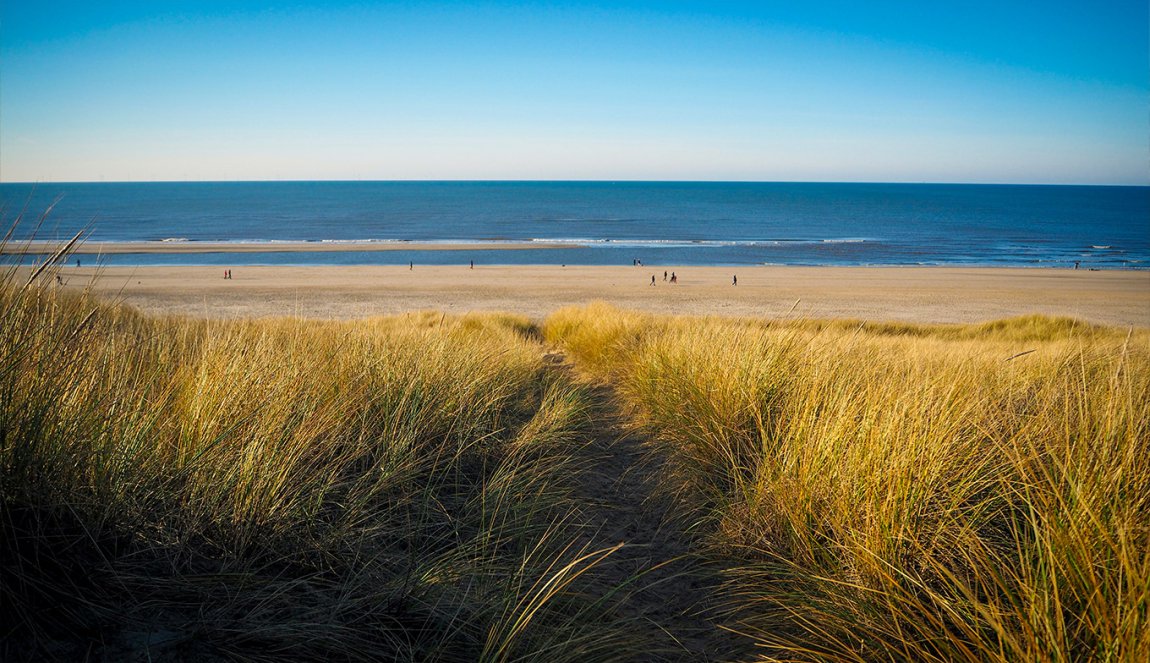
1010 91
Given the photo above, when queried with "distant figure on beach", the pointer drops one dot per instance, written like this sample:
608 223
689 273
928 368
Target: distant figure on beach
1076 264
674 279
652 279
410 266
77 262
225 274
60 281
735 280
472 264
664 275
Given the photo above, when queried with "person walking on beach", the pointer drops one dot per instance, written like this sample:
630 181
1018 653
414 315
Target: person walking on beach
472 264
652 279
735 280
410 266
674 279
664 275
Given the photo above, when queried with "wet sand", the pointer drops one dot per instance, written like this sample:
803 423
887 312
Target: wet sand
913 294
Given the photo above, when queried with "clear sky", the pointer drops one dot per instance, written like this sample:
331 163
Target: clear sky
1043 91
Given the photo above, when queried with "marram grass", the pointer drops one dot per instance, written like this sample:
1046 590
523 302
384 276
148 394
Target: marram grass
402 488
389 489
902 492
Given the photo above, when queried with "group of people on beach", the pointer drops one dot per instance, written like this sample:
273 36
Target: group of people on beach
668 277
675 279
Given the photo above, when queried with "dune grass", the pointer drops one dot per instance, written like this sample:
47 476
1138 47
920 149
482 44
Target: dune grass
902 492
387 489
402 488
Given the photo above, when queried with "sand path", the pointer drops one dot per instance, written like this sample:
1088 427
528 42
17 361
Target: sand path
671 592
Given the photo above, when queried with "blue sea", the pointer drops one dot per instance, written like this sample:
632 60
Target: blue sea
607 223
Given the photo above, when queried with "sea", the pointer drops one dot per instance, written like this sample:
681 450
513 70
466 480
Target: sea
601 223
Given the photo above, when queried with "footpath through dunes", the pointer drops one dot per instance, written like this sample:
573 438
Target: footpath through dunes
423 487
673 593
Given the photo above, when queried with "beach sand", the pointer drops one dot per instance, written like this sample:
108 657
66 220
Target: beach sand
912 294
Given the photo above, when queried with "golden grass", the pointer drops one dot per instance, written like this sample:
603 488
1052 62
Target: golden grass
903 492
394 488
401 487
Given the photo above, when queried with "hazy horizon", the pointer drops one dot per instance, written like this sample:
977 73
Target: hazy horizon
563 181
890 92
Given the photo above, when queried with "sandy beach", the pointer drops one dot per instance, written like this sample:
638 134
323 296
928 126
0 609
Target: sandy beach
913 294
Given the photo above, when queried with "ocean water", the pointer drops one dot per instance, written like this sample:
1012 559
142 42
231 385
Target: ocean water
606 222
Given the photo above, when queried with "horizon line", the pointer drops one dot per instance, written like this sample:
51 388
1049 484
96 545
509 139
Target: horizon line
566 181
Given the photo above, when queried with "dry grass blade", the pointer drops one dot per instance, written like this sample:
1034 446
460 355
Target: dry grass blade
60 253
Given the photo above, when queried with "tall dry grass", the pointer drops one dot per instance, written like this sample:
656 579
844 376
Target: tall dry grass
903 492
389 489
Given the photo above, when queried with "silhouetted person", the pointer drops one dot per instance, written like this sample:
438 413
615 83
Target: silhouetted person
652 279
735 280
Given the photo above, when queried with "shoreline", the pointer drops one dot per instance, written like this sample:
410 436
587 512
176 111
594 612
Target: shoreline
39 249
906 294
44 247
